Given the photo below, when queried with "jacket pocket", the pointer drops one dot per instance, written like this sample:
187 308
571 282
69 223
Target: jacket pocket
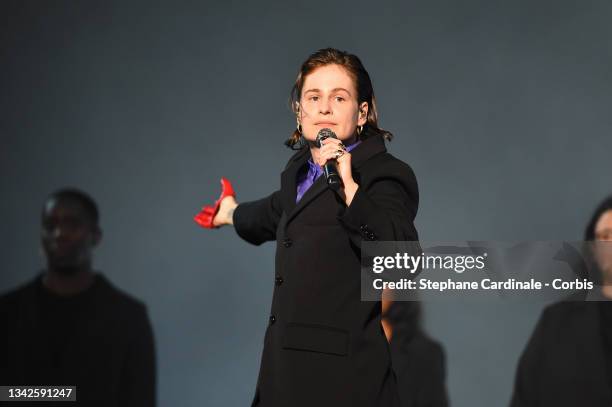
316 338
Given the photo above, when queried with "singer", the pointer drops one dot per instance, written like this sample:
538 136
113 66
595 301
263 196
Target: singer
324 346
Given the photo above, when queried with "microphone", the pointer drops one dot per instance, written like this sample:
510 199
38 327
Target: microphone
329 169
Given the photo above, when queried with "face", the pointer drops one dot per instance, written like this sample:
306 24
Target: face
603 246
329 100
68 235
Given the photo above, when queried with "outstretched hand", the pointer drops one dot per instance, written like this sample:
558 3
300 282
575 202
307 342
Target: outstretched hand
226 211
221 212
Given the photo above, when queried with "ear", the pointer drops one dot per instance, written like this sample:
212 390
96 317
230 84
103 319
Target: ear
363 114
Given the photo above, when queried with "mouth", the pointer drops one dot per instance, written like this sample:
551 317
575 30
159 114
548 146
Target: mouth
61 249
61 253
325 124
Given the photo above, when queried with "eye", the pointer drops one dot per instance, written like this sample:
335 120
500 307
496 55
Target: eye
313 98
340 99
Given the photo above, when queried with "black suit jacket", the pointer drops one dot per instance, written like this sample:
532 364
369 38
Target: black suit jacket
564 363
323 345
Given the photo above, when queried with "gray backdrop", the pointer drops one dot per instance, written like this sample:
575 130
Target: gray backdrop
501 108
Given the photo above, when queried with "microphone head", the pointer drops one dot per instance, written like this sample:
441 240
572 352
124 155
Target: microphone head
323 134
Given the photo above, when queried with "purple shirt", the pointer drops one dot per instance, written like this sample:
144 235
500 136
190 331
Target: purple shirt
306 179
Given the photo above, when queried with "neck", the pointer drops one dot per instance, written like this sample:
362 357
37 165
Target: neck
606 290
314 151
68 284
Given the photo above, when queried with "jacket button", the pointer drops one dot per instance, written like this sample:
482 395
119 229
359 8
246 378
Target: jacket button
287 242
278 280
363 228
371 236
272 319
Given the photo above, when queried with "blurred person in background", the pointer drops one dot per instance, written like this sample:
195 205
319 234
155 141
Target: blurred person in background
568 359
418 360
70 325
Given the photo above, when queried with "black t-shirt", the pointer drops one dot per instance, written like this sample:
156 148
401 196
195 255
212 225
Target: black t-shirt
99 340
605 312
60 317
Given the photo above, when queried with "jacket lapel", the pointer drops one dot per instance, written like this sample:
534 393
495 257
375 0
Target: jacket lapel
319 186
289 179
368 148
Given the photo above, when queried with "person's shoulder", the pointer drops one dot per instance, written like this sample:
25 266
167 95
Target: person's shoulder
425 354
388 162
385 166
12 297
561 312
425 345
381 160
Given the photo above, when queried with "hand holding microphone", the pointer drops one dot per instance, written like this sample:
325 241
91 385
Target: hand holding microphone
331 151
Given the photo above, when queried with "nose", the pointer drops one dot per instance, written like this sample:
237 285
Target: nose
324 106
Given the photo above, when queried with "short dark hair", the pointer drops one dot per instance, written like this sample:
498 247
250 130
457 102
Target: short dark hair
82 198
365 92
606 205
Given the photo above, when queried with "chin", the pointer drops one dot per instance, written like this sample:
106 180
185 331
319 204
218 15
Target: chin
64 265
66 270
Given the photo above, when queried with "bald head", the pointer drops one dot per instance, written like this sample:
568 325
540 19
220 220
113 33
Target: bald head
70 230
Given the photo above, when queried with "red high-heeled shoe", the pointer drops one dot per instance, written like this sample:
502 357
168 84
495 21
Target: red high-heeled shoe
207 214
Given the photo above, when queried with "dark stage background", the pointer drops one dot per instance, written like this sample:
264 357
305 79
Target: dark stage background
501 108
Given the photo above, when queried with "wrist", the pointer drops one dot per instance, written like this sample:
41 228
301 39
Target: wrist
351 185
230 216
350 189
